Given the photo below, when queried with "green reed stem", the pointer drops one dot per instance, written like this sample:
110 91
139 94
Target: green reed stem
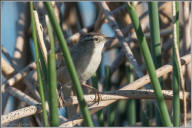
34 35
175 74
150 66
155 44
130 103
70 65
52 77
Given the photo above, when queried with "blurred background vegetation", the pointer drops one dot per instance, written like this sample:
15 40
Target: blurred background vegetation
17 41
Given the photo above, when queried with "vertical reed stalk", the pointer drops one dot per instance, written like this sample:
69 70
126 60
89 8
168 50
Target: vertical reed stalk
34 35
52 77
177 73
69 63
111 110
155 44
131 103
150 66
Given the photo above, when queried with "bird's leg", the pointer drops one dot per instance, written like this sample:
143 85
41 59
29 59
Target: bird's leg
95 91
60 98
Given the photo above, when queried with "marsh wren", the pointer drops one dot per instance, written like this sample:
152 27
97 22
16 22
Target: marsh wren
86 55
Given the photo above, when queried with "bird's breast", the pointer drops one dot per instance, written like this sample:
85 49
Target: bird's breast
88 65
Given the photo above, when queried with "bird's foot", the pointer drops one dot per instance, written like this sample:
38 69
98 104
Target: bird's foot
97 95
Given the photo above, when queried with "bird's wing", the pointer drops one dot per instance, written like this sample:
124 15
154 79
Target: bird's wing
62 71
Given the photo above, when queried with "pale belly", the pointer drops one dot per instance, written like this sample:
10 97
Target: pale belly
91 68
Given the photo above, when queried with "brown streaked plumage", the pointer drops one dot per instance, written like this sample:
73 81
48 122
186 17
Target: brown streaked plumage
86 56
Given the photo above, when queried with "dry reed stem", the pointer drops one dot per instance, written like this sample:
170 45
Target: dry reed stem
100 20
7 71
119 35
132 86
75 37
31 110
39 30
25 112
21 95
94 108
21 52
20 113
122 95
17 77
34 107
20 42
186 45
116 44
182 84
9 58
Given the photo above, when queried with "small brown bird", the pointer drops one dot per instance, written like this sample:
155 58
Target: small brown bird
86 57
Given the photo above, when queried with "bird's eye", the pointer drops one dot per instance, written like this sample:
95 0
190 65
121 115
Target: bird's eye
96 39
